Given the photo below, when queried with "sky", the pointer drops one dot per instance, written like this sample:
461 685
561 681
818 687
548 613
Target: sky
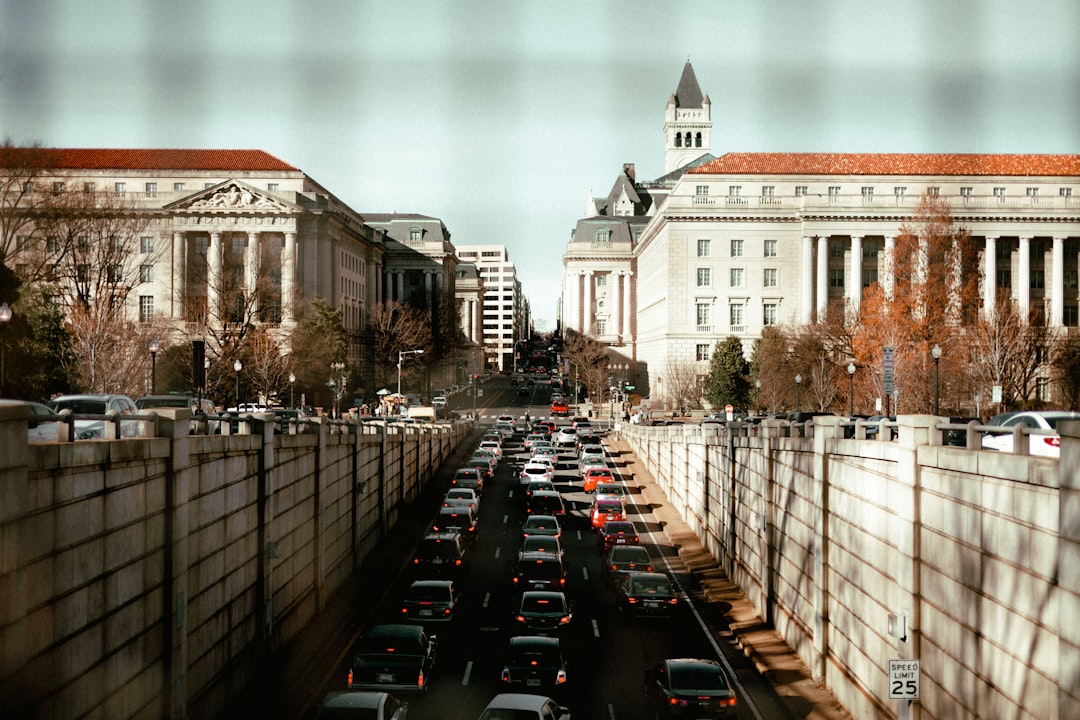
501 117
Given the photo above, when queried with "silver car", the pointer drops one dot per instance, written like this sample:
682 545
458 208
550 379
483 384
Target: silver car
96 428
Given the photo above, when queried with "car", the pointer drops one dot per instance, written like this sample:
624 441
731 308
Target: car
606 509
430 601
522 390
541 525
542 543
492 435
539 571
468 477
461 520
506 419
392 657
1046 444
645 593
584 469
507 428
595 476
439 401
483 464
559 407
590 456
459 496
100 405
195 405
618 532
536 471
567 436
546 450
545 460
493 446
523 706
690 688
543 610
628 558
362 705
546 502
493 460
534 438
539 484
439 555
534 663
578 420
42 426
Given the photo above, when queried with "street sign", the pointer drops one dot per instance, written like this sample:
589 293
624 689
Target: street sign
629 387
888 366
904 679
729 411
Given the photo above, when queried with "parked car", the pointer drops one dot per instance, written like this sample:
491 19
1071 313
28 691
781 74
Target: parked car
690 688
645 593
543 610
524 706
439 555
534 663
98 428
195 405
362 705
394 657
1047 444
430 601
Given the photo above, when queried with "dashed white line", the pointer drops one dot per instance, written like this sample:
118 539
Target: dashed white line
595 628
487 599
468 672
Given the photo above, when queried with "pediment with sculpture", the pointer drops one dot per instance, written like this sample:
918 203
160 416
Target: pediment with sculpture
232 195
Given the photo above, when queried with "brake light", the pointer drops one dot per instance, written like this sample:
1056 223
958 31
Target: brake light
349 681
560 678
1054 442
420 680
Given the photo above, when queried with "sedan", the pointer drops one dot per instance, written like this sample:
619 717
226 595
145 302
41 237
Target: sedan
535 664
430 601
524 706
462 497
541 525
628 558
533 438
41 427
392 657
595 476
543 544
618 532
543 610
645 593
567 436
344 705
690 688
536 471
1046 444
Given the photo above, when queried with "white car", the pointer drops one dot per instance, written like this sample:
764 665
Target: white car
99 405
536 471
567 436
545 459
465 497
1047 444
493 446
524 706
439 401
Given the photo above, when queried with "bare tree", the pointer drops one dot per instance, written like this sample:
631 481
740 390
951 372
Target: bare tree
1006 351
395 327
683 385
589 361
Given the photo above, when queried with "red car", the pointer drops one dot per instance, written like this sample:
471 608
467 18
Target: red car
559 407
597 476
618 532
607 508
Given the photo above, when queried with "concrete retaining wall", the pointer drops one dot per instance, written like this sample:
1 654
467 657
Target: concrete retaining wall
150 577
859 552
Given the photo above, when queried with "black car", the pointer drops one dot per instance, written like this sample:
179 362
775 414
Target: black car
439 555
543 610
645 593
690 688
534 664
392 657
539 571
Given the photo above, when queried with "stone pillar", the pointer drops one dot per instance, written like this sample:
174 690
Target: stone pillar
573 301
179 275
1023 281
399 290
855 284
807 301
587 314
1057 282
889 267
213 279
251 270
627 306
822 276
288 279
388 286
616 303
989 276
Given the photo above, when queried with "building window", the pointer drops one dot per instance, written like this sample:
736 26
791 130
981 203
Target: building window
201 244
836 249
238 244
703 248
601 326
836 278
146 273
178 186
22 242
899 192
701 352
415 234
736 277
770 248
933 191
151 189
272 187
146 244
965 192
834 192
704 315
768 314
701 191
603 237
1033 192
89 188
1068 279
735 315
734 191
800 190
736 248
1070 318
52 244
769 278
867 192
1038 279
1004 278
120 188
768 192
601 281
999 192
1065 192
58 187
869 277
704 277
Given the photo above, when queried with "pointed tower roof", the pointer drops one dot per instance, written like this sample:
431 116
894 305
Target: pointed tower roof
688 94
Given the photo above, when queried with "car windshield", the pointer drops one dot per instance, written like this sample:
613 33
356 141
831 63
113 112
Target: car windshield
428 593
87 406
651 585
542 654
501 714
696 678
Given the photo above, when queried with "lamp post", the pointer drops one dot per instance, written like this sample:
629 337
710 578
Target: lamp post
5 317
851 389
401 357
337 383
292 384
154 347
238 366
798 392
935 352
757 395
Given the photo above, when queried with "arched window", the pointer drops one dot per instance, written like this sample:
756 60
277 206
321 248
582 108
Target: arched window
678 139
698 140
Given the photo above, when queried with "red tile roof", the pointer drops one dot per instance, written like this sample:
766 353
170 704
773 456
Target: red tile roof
146 159
890 164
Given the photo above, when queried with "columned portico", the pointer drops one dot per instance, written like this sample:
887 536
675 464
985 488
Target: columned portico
179 274
889 280
627 330
288 279
1057 281
213 280
616 303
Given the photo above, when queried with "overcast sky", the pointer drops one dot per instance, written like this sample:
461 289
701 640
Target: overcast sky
499 117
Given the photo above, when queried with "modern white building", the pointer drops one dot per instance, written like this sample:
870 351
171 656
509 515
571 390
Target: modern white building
504 308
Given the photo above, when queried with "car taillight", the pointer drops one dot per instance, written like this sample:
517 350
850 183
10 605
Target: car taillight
560 678
349 682
505 675
420 680
1054 442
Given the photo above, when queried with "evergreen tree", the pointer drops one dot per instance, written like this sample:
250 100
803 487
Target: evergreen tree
727 382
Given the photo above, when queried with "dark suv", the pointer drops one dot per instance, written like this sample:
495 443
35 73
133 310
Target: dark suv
539 571
439 555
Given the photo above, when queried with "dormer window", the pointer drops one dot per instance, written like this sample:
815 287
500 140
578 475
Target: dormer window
603 237
416 234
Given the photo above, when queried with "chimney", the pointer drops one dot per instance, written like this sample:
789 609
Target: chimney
628 170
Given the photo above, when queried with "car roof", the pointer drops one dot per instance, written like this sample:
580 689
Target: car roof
517 701
534 641
395 630
365 699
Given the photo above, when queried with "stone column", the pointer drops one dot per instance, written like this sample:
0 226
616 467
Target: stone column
855 284
616 304
627 306
288 279
822 276
179 275
213 280
251 270
399 281
573 301
889 267
807 300
1057 282
388 286
989 276
1023 282
587 315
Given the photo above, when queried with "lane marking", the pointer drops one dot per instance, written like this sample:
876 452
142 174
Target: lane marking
595 628
468 672
487 600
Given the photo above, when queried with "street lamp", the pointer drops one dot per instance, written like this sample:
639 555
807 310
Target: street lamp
798 392
337 383
5 317
935 352
401 357
851 389
292 384
238 366
757 395
154 347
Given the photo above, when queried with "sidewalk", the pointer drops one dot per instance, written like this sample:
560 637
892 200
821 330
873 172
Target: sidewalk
804 697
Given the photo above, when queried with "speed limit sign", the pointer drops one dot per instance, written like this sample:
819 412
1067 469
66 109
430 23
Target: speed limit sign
904 679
